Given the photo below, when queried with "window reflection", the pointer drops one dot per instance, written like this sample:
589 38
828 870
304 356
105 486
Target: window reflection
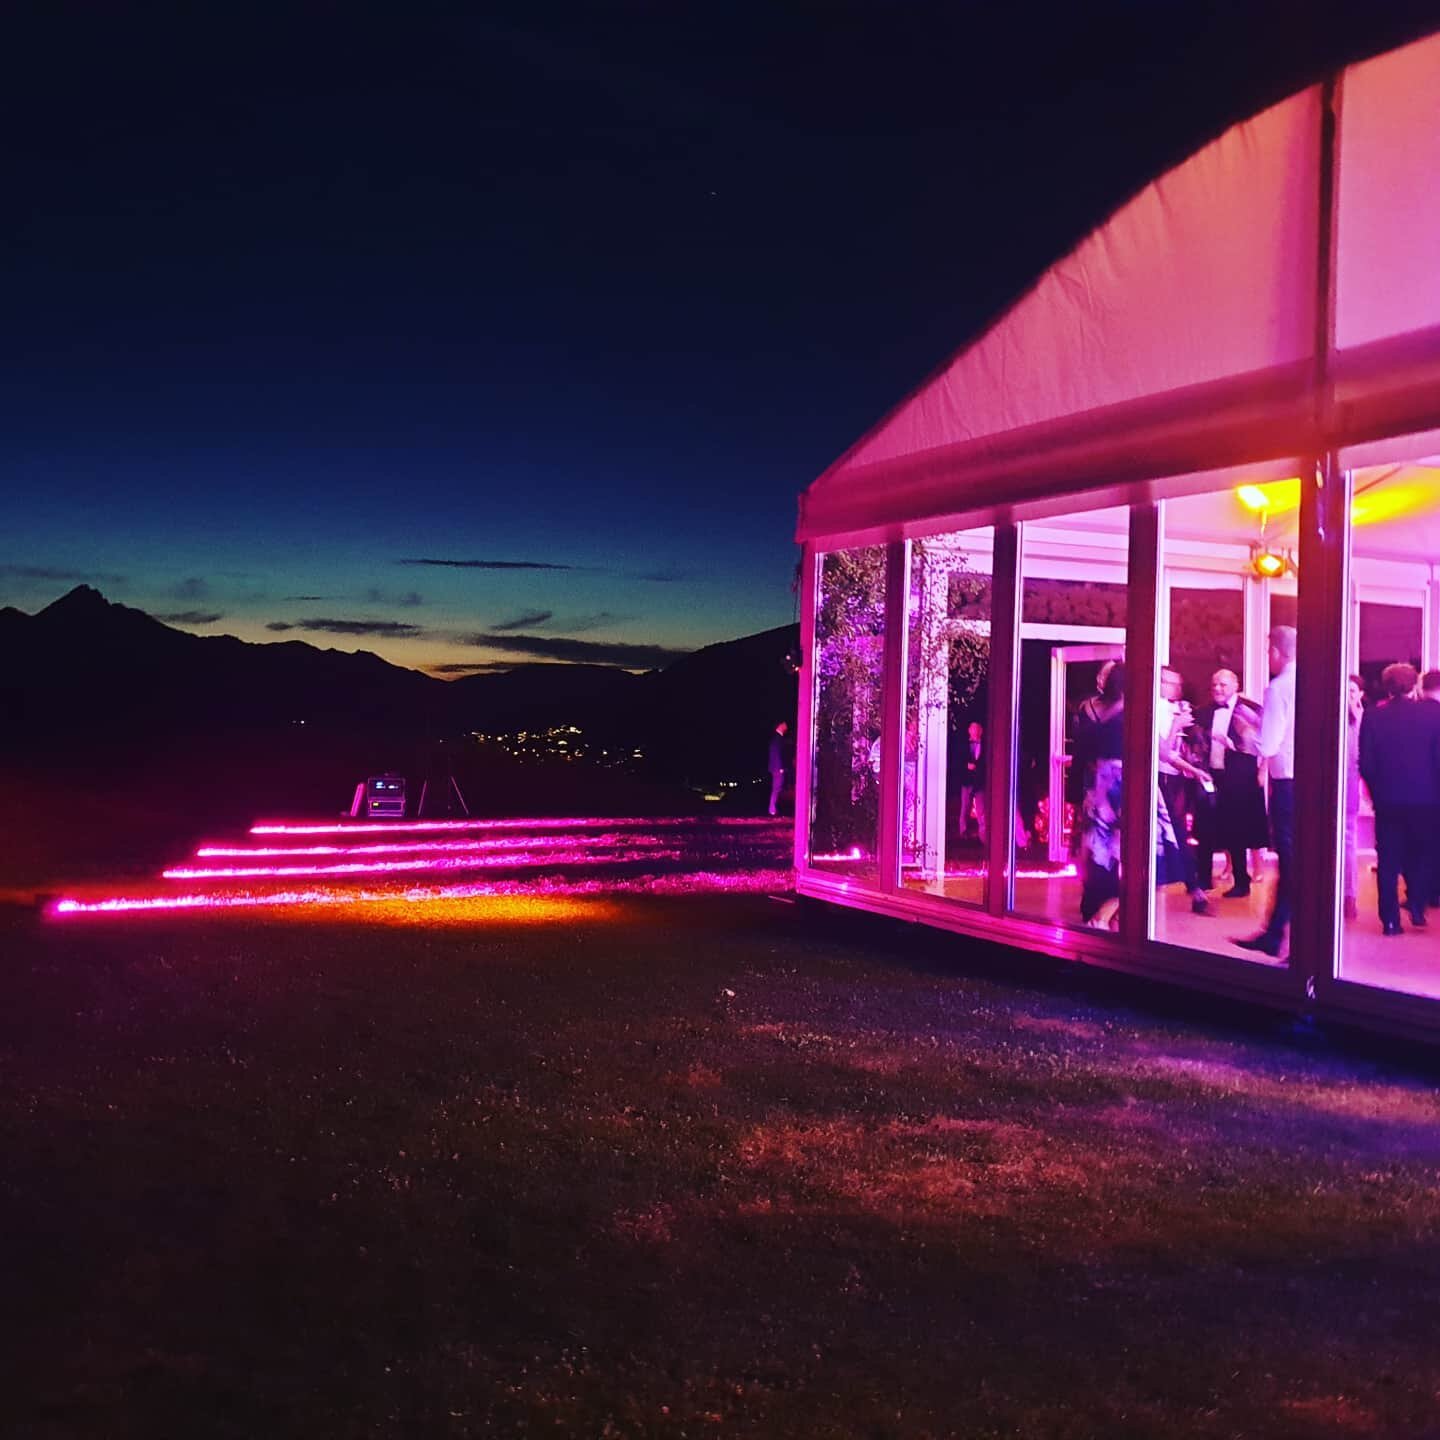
1389 824
1223 785
947 656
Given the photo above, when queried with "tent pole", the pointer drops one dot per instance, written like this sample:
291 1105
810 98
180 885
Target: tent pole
1137 826
805 707
892 721
1322 611
1002 716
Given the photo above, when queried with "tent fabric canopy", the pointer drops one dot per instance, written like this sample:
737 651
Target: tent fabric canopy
1181 335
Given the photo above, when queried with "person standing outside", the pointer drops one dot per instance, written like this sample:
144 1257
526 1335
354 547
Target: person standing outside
1277 748
777 764
1400 763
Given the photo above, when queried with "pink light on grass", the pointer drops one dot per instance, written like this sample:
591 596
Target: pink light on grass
679 883
515 860
589 822
475 846
978 872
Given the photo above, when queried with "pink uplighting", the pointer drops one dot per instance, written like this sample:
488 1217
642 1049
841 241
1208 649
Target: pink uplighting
978 872
477 846
680 883
516 860
592 822
588 857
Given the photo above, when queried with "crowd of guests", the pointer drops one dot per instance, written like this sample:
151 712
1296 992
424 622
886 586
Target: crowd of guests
1226 782
1215 766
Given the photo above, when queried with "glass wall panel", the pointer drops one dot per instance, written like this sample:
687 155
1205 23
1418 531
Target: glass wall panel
1223 782
1389 840
849 692
947 655
1071 718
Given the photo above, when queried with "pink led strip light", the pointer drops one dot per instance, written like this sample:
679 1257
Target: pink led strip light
434 863
688 882
287 827
475 846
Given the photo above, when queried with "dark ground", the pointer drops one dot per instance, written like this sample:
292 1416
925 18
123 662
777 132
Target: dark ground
536 1171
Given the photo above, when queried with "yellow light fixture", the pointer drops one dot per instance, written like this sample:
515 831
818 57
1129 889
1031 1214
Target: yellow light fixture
1269 563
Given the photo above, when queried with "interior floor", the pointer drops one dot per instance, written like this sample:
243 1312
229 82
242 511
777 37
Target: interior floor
1409 963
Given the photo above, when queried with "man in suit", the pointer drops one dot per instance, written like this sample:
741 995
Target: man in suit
1276 746
1234 821
1400 764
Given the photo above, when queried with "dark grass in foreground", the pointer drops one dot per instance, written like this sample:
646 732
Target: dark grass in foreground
544 1174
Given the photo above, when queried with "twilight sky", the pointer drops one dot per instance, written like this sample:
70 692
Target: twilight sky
470 338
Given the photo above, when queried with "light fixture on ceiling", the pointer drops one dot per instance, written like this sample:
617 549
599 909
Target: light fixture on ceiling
1270 564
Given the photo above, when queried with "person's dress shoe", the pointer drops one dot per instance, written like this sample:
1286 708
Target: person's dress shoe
1263 943
1391 927
1199 905
1236 892
1417 920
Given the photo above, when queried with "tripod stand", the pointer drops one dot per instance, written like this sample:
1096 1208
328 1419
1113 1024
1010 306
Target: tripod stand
446 788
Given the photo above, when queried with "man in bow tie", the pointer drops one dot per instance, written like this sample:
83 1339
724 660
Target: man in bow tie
1234 821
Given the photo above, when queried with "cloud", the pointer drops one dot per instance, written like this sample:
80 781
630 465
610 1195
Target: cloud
46 572
191 617
279 625
579 652
524 621
454 669
394 629
664 577
193 588
598 621
489 564
376 596
306 599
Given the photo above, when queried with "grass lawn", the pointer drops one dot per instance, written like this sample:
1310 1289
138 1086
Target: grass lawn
691 1166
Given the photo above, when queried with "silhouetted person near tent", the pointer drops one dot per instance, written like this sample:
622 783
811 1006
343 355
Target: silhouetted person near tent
1400 763
777 765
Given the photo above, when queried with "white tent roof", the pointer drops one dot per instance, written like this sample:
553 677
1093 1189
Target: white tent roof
1180 337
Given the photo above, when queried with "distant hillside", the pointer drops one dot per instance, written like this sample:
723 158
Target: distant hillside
87 670
719 706
87 666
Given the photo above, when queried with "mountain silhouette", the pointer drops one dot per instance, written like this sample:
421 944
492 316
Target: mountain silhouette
88 671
